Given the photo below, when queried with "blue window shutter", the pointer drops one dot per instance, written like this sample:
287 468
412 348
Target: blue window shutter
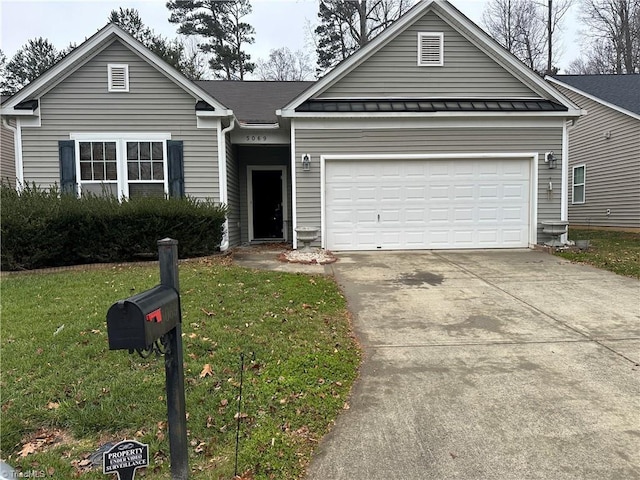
67 154
175 165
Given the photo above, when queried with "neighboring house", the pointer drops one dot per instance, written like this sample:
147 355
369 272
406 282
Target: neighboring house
431 136
604 150
7 150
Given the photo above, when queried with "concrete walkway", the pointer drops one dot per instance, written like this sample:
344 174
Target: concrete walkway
488 365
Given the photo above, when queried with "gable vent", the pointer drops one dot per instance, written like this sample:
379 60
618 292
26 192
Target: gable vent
118 77
430 49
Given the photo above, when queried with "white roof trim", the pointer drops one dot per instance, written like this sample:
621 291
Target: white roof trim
478 37
594 98
88 50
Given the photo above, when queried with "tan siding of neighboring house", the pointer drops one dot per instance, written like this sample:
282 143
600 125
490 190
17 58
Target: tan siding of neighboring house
612 165
81 103
7 155
393 71
319 142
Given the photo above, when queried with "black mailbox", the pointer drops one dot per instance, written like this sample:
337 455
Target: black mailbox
138 321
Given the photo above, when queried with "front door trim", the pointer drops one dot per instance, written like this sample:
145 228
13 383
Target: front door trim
285 206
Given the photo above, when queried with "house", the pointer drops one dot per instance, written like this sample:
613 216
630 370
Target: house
432 136
604 150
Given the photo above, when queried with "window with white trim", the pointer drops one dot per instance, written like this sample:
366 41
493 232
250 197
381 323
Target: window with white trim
118 77
126 166
98 167
579 183
145 168
430 49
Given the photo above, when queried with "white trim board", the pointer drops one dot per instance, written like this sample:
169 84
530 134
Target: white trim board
424 123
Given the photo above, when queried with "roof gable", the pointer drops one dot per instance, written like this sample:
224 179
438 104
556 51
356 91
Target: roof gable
620 92
88 50
393 71
465 28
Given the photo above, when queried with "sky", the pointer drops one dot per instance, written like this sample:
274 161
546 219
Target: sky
277 23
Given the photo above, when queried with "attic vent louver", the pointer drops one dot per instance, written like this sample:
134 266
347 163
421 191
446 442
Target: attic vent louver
118 77
430 49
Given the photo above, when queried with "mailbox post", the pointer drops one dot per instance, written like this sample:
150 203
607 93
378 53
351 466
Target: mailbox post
143 321
174 369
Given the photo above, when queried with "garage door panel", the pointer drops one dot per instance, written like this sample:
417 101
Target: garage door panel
438 192
415 204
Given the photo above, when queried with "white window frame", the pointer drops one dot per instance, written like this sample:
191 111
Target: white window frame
121 140
110 68
440 37
583 184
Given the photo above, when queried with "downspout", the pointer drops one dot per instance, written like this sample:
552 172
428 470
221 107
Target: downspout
17 152
564 196
222 167
294 186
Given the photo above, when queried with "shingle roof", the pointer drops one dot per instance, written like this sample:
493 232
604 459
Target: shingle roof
425 105
620 90
253 101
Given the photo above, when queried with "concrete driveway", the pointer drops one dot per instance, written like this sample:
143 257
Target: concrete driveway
488 365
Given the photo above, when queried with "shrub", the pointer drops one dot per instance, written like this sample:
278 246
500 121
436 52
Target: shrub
44 228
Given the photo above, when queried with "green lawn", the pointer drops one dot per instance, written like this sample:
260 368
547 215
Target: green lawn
618 252
64 393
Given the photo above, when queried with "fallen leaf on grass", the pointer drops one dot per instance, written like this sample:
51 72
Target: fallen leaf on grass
208 313
206 371
53 405
27 448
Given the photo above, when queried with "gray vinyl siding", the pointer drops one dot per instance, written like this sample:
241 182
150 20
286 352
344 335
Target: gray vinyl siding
7 155
393 71
612 165
427 141
262 156
81 103
233 193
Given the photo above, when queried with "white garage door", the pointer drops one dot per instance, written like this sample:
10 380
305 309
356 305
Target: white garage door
426 204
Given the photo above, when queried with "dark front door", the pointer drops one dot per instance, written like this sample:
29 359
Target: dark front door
267 204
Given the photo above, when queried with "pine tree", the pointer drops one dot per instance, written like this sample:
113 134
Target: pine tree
347 25
32 60
220 24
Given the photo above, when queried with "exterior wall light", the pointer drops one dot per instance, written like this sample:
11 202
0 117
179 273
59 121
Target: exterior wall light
551 160
306 162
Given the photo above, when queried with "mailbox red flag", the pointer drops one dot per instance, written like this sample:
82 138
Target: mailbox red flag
155 316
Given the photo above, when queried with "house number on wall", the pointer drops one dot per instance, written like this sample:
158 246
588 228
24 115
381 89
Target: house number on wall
256 138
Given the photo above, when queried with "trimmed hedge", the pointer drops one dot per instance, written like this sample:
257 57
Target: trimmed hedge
42 228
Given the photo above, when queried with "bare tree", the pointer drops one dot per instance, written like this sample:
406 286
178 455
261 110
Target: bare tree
613 43
347 25
526 29
285 65
598 61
